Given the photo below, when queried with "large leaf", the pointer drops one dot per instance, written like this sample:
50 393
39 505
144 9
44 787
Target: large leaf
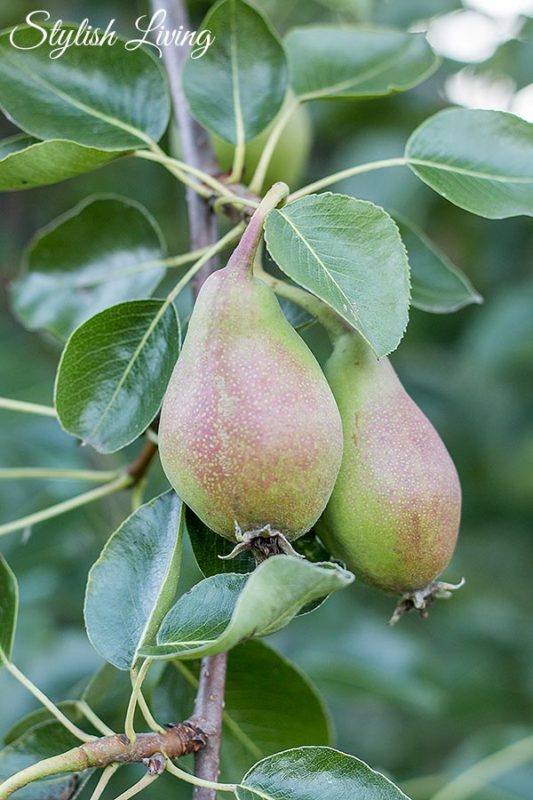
437 285
103 97
349 253
26 162
327 61
133 583
223 610
42 741
63 283
315 773
237 87
480 160
287 712
8 609
114 371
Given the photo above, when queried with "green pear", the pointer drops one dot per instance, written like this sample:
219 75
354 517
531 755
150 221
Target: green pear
250 436
290 156
394 514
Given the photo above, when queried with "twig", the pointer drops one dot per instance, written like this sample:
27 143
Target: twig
178 741
197 151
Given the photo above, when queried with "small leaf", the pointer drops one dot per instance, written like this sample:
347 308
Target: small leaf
63 284
230 90
437 285
321 773
104 97
133 583
26 162
221 611
287 712
480 160
9 599
328 61
349 253
207 546
114 371
42 741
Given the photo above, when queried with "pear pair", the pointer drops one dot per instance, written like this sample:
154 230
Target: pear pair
256 440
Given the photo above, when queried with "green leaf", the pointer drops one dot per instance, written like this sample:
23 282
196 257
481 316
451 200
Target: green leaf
437 285
287 712
63 284
207 546
223 610
43 741
104 97
480 160
348 253
26 162
114 371
9 599
237 87
313 773
43 715
328 61
133 583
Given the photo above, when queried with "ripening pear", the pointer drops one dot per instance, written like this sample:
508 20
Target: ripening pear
394 514
250 434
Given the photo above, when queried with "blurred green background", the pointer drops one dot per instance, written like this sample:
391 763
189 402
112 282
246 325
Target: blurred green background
425 698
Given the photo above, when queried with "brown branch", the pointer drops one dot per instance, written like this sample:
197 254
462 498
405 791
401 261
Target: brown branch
152 749
195 145
139 467
197 151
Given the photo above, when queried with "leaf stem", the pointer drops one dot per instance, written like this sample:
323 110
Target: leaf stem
238 161
105 777
27 408
112 487
479 775
30 473
346 173
256 184
47 703
94 719
188 778
138 787
137 679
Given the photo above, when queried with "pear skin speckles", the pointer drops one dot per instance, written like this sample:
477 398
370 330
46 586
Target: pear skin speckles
394 514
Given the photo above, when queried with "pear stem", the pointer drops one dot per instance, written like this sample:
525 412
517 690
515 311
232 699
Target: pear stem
242 258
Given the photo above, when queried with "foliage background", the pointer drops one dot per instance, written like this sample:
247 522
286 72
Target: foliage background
425 697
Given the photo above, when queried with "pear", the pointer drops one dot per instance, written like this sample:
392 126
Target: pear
394 514
250 436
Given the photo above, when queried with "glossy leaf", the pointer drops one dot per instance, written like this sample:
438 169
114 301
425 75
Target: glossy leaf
114 371
287 712
437 285
40 742
349 253
221 611
230 90
133 583
63 284
307 773
26 162
105 97
329 61
8 609
480 160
